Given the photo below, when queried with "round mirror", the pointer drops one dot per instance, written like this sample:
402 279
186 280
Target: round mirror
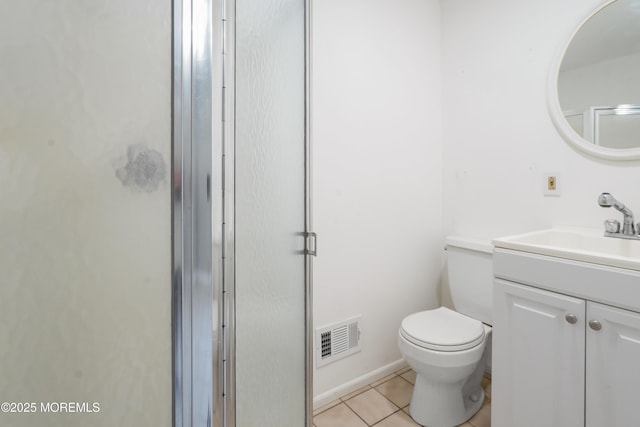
594 88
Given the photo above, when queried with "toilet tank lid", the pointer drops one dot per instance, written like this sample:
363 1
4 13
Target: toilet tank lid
474 244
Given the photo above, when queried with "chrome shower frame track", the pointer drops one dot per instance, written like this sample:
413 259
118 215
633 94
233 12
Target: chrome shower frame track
197 398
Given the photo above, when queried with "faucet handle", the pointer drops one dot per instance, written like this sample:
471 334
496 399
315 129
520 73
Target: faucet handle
612 226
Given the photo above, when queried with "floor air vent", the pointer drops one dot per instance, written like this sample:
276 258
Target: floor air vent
336 341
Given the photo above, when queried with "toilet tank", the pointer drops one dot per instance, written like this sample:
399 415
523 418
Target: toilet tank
470 269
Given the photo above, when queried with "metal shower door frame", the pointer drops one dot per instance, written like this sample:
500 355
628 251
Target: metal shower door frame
203 272
197 393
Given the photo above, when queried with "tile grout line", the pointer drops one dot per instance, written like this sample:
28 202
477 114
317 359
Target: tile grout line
371 387
390 415
357 415
351 395
385 397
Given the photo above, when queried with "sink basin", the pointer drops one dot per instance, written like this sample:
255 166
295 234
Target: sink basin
579 244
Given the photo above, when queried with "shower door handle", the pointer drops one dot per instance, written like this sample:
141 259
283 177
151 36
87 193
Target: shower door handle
311 243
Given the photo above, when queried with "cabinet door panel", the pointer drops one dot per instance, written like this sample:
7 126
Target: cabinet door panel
538 358
613 373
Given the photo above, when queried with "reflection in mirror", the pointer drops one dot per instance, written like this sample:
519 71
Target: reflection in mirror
598 83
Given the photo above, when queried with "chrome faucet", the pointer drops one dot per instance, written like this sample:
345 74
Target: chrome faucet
612 227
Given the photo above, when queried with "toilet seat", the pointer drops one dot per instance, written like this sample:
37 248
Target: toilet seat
442 329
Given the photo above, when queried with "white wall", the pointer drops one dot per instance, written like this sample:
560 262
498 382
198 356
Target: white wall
376 134
498 137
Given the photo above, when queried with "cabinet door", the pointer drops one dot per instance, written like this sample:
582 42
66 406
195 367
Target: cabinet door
538 358
613 373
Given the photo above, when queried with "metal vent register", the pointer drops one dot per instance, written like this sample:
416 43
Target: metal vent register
336 341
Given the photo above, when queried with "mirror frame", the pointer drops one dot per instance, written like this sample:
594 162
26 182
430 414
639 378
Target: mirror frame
557 117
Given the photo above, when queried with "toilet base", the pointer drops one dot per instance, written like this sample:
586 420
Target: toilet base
443 405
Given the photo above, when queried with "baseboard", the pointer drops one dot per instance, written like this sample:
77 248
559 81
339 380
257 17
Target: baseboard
346 388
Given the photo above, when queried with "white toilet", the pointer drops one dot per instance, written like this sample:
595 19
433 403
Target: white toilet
447 348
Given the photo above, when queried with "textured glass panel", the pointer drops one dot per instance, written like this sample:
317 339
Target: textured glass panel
270 314
85 143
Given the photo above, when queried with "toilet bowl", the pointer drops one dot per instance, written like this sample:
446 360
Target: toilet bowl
447 349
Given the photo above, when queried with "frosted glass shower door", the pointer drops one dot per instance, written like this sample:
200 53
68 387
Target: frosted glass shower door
270 213
85 213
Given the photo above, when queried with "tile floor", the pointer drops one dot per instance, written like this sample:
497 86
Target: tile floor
385 403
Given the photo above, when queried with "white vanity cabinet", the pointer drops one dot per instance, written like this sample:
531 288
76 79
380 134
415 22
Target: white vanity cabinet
538 358
612 367
560 356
